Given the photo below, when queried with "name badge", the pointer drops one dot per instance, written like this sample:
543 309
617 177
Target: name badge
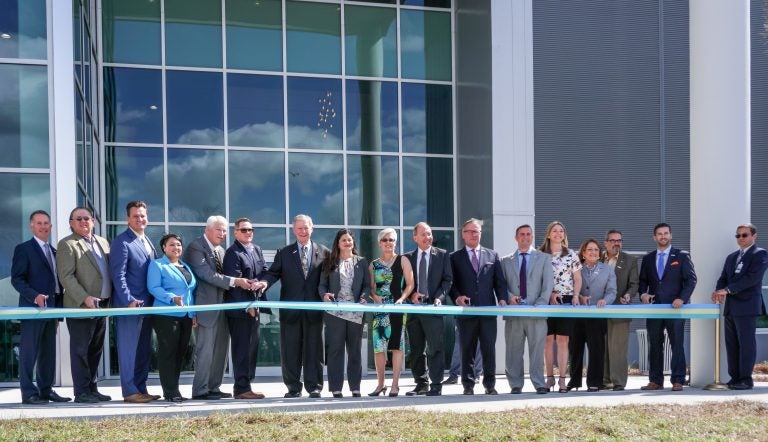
738 267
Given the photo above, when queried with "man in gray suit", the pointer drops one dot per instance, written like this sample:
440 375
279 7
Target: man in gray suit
617 337
205 256
529 281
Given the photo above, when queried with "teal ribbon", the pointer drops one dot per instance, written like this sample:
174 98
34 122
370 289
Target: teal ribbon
653 311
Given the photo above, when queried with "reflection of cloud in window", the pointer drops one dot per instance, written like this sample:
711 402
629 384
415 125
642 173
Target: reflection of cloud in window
267 134
414 189
307 137
316 186
31 47
31 97
390 193
196 185
209 136
256 185
412 43
414 129
388 137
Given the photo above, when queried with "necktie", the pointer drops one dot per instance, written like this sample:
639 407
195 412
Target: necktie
523 276
660 265
475 262
49 257
423 274
217 259
304 261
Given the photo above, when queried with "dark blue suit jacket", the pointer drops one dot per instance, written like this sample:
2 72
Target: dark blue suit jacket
484 287
31 275
678 280
293 286
746 294
128 262
238 263
439 274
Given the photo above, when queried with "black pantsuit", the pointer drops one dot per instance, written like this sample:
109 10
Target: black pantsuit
86 344
173 334
341 334
241 335
471 330
425 334
589 331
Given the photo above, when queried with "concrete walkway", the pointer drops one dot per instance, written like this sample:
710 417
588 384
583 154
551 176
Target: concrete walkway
452 400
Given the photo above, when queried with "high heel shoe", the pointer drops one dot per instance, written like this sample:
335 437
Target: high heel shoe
550 383
378 391
561 384
393 392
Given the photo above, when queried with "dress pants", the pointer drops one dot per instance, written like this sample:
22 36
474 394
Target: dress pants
86 344
516 331
173 333
211 346
474 329
676 332
341 334
37 354
455 369
241 335
253 354
616 345
589 331
425 335
741 347
134 348
301 346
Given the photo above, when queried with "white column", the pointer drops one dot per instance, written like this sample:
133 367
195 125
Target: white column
512 110
720 154
63 163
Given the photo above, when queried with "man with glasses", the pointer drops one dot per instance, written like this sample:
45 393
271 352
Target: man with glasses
740 287
617 336
83 268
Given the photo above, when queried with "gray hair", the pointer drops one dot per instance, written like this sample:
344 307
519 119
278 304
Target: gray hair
302 217
385 232
214 220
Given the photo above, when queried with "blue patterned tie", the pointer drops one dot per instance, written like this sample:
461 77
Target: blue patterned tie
660 265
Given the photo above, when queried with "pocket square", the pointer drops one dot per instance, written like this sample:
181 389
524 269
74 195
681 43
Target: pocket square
675 263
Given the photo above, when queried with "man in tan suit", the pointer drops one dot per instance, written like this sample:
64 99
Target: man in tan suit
617 338
82 263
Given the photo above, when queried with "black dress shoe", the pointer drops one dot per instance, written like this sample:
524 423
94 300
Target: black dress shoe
468 391
206 397
220 394
491 391
86 398
292 394
618 388
314 394
355 394
418 391
54 397
516 390
336 394
451 380
434 392
740 386
101 397
34 400
542 390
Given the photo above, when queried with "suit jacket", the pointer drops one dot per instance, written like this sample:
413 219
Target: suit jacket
239 263
484 287
32 275
78 270
439 273
627 279
539 276
745 287
677 282
600 284
165 282
294 286
361 282
210 284
128 266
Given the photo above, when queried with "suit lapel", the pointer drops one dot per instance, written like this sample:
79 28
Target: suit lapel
178 272
87 252
41 253
294 249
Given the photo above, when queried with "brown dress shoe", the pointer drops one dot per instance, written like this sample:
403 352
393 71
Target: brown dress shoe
138 398
250 395
152 397
677 387
652 386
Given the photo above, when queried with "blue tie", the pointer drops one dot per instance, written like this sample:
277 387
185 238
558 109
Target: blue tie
660 265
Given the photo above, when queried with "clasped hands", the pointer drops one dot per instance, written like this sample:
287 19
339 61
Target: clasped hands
251 284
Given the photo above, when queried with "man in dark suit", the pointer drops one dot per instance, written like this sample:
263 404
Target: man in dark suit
740 287
617 336
432 268
205 256
666 277
298 268
131 252
83 268
477 280
33 275
243 259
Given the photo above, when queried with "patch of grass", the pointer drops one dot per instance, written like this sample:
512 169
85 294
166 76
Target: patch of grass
736 420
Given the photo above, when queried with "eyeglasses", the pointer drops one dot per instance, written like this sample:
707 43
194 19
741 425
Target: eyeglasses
614 240
244 230
742 235
81 218
388 240
474 232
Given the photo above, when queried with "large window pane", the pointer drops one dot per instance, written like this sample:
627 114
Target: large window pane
373 190
133 173
195 184
195 108
428 191
23 116
425 39
133 100
314 113
269 238
255 110
372 116
131 31
315 187
254 35
427 118
257 186
313 37
23 29
371 41
193 33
